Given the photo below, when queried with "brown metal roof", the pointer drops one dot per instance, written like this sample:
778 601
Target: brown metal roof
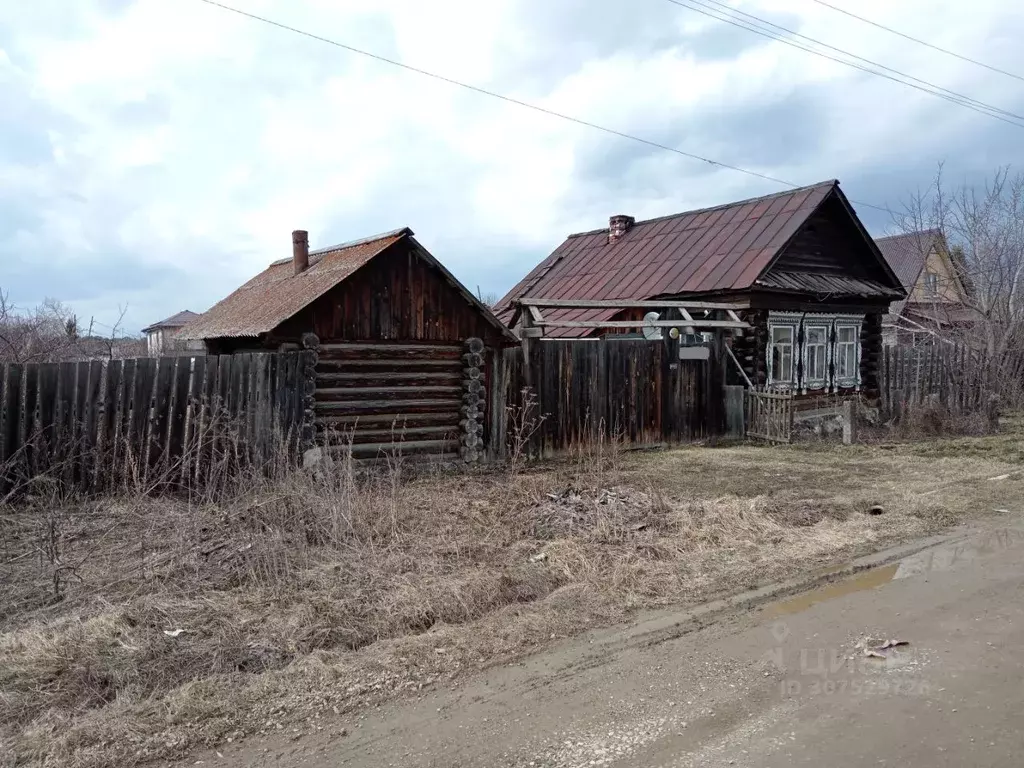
907 253
713 249
276 293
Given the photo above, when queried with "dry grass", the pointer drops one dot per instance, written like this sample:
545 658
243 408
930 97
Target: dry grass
316 594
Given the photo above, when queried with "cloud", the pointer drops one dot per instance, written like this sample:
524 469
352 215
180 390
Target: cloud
157 154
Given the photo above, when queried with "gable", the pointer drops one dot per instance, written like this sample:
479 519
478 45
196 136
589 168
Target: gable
400 296
830 253
946 282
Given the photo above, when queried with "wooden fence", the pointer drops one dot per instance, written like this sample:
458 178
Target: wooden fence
574 391
93 425
769 415
956 378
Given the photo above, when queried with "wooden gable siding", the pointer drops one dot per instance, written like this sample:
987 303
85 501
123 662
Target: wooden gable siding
397 297
830 244
939 263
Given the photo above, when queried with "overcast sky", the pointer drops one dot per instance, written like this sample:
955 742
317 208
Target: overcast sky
157 153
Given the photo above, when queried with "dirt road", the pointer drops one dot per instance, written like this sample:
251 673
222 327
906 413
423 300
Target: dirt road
785 684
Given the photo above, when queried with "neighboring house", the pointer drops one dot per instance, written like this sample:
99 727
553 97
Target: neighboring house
162 337
934 284
392 325
798 266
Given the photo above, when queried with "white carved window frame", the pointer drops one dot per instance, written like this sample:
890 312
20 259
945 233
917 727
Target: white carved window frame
799 323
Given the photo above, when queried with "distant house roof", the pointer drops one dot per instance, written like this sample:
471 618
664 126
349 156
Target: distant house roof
174 321
277 293
907 253
725 248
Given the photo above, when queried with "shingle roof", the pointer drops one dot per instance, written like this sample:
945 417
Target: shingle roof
724 248
174 321
276 293
906 254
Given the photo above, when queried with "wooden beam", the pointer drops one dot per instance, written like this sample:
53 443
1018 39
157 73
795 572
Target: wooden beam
536 316
641 324
618 304
732 356
531 333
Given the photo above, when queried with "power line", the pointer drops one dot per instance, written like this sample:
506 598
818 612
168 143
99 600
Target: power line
919 40
517 102
495 95
956 96
930 88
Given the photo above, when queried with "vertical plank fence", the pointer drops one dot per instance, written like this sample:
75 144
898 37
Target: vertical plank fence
633 391
956 379
149 422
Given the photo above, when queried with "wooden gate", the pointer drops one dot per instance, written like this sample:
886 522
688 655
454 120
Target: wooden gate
769 416
629 390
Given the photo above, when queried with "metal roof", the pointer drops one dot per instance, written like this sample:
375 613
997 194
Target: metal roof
712 249
907 253
718 249
176 320
276 293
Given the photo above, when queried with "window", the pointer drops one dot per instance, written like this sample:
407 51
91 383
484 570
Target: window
847 342
931 284
815 344
782 353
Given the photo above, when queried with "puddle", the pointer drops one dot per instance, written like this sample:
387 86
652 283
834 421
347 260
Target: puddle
937 559
872 579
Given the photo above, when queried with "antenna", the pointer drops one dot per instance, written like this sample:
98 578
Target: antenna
651 331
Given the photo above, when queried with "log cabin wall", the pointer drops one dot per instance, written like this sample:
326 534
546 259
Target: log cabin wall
392 371
752 348
871 356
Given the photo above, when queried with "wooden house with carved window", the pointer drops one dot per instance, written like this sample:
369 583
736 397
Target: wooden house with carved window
798 266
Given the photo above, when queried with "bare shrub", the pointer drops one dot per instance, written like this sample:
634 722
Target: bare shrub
524 421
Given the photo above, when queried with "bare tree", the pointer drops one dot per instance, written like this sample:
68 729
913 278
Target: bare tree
51 333
984 231
43 334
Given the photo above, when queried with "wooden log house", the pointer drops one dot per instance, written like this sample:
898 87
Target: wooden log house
399 346
798 266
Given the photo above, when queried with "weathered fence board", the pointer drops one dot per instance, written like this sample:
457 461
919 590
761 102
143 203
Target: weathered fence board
95 424
635 391
956 378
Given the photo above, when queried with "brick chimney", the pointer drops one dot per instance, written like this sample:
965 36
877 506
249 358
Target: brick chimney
300 250
618 226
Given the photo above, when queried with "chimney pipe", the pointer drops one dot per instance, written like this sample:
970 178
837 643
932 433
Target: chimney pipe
618 226
300 250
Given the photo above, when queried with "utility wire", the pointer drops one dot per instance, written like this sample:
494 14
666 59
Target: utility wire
729 10
517 102
918 40
930 88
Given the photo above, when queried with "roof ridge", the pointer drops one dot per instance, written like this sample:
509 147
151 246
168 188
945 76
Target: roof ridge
349 244
916 233
758 199
362 241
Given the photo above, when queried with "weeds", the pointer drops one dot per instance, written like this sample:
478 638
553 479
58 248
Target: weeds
287 596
